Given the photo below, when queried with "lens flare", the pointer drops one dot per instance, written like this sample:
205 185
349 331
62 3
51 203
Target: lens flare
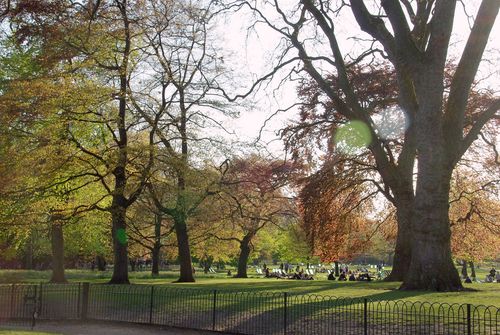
352 137
121 236
391 123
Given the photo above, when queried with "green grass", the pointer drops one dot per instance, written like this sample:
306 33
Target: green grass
482 294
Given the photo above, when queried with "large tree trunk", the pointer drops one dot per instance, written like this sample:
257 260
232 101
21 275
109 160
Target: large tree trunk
431 266
244 255
120 266
155 252
57 244
186 266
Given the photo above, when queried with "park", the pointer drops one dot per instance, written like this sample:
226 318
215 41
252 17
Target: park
249 167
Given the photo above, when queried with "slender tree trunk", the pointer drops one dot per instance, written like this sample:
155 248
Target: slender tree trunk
120 266
57 244
155 253
337 273
29 253
120 203
464 269
186 266
244 255
472 270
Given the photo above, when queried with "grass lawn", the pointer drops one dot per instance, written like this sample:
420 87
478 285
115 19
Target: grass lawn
482 294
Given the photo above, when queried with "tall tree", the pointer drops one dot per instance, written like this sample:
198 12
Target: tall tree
179 100
255 198
415 38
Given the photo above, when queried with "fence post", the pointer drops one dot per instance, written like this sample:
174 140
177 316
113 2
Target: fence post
214 309
85 300
151 305
365 316
469 321
285 312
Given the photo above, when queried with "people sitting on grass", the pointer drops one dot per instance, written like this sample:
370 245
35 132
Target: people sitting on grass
331 276
468 280
352 277
342 276
364 277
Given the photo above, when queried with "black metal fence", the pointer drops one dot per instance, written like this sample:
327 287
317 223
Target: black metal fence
240 312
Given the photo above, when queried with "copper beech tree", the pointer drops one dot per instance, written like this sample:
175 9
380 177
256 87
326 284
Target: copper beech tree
414 36
334 208
254 197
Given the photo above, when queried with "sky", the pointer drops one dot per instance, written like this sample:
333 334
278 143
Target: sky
250 54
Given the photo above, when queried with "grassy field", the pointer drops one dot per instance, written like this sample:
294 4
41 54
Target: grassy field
479 294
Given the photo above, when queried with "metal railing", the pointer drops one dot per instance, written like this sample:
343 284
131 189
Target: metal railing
241 312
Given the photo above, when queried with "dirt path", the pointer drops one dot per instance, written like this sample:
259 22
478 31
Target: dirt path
112 328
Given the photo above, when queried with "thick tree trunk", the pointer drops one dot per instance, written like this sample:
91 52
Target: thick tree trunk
244 255
337 272
120 266
186 266
431 266
155 253
57 244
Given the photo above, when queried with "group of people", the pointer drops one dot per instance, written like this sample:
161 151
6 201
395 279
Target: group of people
298 274
491 277
351 276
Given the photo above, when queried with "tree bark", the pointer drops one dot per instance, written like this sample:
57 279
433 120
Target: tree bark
472 269
337 273
244 255
402 252
29 253
120 203
57 244
186 266
155 260
120 253
464 269
431 266
155 252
